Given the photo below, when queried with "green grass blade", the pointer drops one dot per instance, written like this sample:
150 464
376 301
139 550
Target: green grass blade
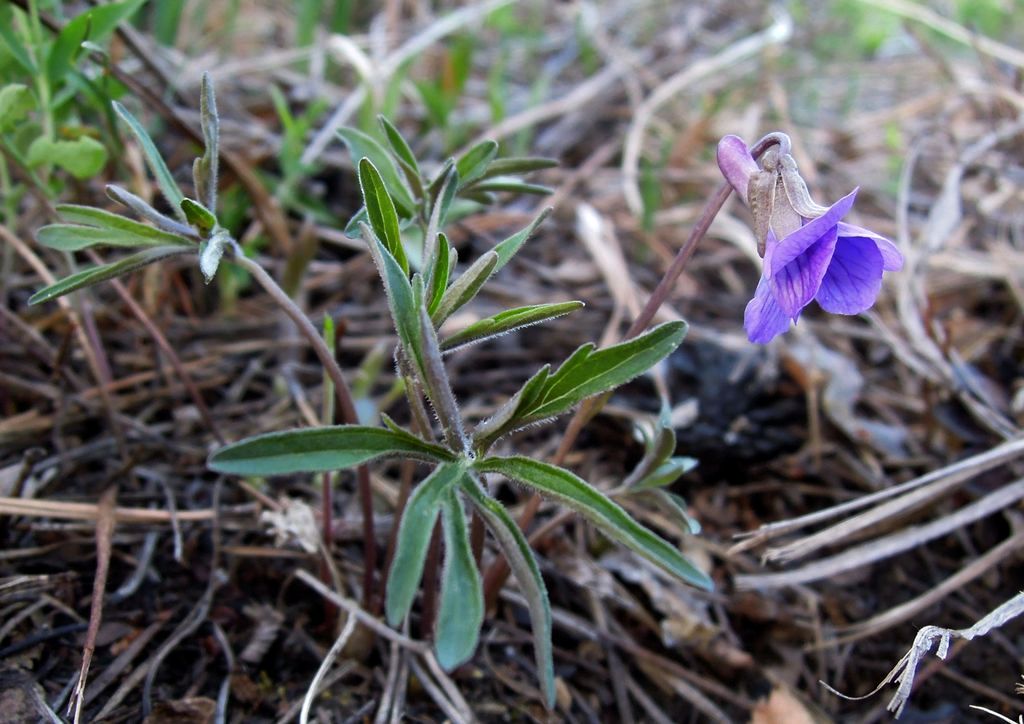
320 449
97 274
600 510
168 186
524 567
462 596
414 532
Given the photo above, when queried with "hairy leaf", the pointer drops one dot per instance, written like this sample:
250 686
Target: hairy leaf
414 532
517 165
362 145
524 567
381 211
444 261
474 163
146 211
164 179
511 186
320 449
600 510
205 168
508 321
508 248
466 286
585 373
97 227
398 144
97 274
462 597
403 303
201 218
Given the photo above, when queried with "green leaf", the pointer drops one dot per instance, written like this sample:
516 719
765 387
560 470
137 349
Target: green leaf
466 286
666 473
15 103
93 25
511 186
168 186
82 158
205 168
584 375
438 215
146 211
403 303
414 533
677 505
462 596
320 449
122 232
444 262
508 248
600 510
508 321
201 218
97 274
519 165
381 211
524 567
362 145
474 163
12 40
101 219
398 144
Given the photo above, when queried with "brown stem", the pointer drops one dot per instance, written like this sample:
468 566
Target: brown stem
497 574
346 405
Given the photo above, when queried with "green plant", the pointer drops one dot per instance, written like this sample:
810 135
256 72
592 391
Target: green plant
422 292
396 195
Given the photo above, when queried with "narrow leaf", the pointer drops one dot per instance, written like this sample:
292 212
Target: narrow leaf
508 248
466 286
505 418
97 226
97 274
607 368
168 186
462 597
473 164
363 145
205 169
511 186
438 213
140 207
516 166
414 532
381 211
600 510
398 144
320 449
524 567
403 304
444 262
508 321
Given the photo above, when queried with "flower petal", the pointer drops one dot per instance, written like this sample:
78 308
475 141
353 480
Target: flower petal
795 244
795 284
736 163
854 277
763 318
892 259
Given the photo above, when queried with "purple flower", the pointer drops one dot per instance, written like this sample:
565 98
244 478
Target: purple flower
809 252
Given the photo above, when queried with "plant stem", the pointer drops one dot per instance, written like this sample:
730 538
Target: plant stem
346 406
497 574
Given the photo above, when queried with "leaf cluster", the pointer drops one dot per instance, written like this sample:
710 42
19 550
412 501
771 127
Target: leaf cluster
396 195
